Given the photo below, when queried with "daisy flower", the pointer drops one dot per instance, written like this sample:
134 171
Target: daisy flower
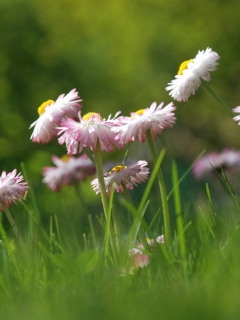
67 170
12 188
87 132
191 73
155 118
130 176
51 113
227 159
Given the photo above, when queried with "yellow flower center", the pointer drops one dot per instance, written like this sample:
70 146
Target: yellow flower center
184 66
65 157
88 116
117 169
141 111
43 106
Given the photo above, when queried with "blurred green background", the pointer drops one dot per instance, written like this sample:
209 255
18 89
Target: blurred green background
119 55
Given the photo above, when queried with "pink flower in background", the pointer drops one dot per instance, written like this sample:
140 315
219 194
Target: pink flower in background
130 176
67 171
228 160
85 133
139 258
51 113
191 73
155 118
12 188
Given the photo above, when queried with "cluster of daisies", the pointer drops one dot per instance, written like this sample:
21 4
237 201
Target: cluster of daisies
63 119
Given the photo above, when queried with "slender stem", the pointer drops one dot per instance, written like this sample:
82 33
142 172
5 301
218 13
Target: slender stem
14 226
215 96
162 191
99 167
141 230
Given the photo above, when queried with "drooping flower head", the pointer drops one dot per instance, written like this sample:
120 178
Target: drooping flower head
130 176
12 188
67 171
155 118
228 160
191 73
87 132
51 113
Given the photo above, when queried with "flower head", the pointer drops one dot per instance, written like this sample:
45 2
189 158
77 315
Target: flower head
227 159
155 118
12 188
130 176
190 74
51 113
87 132
67 170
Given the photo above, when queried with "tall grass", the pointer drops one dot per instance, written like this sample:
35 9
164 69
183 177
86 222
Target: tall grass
195 277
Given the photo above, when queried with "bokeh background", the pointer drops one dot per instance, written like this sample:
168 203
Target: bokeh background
119 55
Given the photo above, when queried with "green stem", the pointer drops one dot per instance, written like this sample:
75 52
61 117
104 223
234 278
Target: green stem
163 193
215 96
99 167
141 230
14 227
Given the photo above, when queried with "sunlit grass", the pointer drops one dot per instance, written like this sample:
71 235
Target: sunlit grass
63 277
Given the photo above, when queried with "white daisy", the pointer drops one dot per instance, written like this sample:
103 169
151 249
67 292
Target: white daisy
191 73
51 113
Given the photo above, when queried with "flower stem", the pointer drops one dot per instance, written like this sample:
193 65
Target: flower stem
215 96
99 166
14 227
142 236
162 191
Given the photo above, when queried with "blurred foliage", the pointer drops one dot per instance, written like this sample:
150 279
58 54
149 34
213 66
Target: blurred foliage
120 55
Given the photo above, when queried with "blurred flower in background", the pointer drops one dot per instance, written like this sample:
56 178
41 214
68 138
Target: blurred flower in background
190 74
51 113
209 164
12 188
67 171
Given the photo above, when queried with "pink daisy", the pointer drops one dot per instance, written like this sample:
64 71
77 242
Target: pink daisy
191 73
67 170
12 188
130 176
228 160
155 118
51 113
85 133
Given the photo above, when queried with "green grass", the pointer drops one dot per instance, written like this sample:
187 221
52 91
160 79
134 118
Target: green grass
61 277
